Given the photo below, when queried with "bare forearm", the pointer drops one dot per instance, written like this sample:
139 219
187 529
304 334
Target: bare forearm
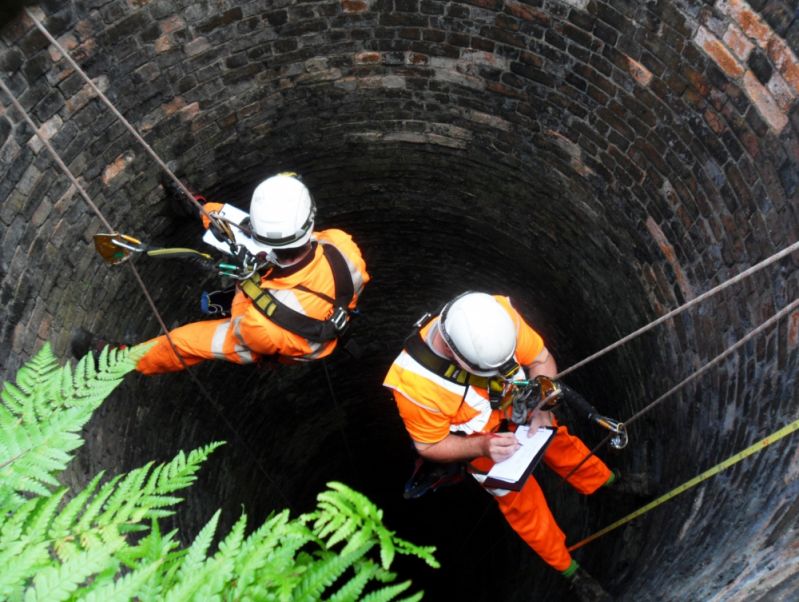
497 446
543 365
453 448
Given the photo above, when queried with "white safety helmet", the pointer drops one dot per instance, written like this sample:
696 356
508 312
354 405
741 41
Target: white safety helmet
479 332
281 214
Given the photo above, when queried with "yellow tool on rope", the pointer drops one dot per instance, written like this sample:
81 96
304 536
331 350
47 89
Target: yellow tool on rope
116 248
752 449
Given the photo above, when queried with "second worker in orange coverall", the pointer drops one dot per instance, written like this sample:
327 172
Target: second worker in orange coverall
448 421
299 293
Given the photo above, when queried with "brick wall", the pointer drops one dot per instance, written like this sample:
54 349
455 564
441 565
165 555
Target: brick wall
601 161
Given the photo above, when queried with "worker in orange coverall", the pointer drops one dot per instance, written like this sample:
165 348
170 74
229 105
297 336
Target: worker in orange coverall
448 421
308 274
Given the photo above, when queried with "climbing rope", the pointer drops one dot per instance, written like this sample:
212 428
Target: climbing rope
721 466
706 295
116 113
57 158
694 375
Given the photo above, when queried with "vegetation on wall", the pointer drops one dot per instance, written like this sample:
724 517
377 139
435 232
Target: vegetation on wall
104 542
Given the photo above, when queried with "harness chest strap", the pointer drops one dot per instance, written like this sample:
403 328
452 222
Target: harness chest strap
418 350
319 331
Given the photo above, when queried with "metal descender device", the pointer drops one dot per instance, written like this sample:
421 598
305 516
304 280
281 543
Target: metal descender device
546 394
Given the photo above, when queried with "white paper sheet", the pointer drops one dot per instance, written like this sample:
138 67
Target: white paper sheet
512 469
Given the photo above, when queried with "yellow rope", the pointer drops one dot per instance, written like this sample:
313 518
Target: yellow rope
752 449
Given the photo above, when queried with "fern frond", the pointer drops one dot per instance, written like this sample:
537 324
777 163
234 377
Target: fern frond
18 567
199 548
231 545
96 505
258 550
423 552
39 521
351 591
390 592
60 581
124 589
321 575
387 549
180 472
63 523
126 496
42 417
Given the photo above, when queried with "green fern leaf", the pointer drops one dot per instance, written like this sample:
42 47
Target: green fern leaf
231 545
66 518
127 494
351 591
180 472
345 531
19 567
41 519
124 589
96 505
423 552
322 575
388 593
39 428
387 550
60 582
198 549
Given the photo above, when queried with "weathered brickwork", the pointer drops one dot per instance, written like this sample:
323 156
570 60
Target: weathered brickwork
776 67
602 161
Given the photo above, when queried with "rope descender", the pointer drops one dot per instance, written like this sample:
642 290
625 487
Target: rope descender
546 394
116 248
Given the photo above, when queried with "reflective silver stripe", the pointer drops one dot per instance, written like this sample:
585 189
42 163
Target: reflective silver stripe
218 341
287 297
316 349
477 402
237 330
412 400
476 424
355 273
244 353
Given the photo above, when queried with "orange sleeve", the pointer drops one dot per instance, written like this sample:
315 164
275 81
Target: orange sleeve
529 343
423 425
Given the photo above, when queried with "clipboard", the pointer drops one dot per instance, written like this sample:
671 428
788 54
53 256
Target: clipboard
513 473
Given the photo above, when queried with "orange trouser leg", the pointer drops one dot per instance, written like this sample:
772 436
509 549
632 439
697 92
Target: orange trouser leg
528 513
566 451
196 342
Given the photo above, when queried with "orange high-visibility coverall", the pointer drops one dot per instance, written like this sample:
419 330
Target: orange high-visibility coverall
431 407
247 335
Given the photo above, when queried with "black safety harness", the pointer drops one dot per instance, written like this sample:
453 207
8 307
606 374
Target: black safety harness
416 347
312 329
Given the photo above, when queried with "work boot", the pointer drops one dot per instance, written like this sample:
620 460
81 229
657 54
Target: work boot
180 204
84 342
587 588
632 483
